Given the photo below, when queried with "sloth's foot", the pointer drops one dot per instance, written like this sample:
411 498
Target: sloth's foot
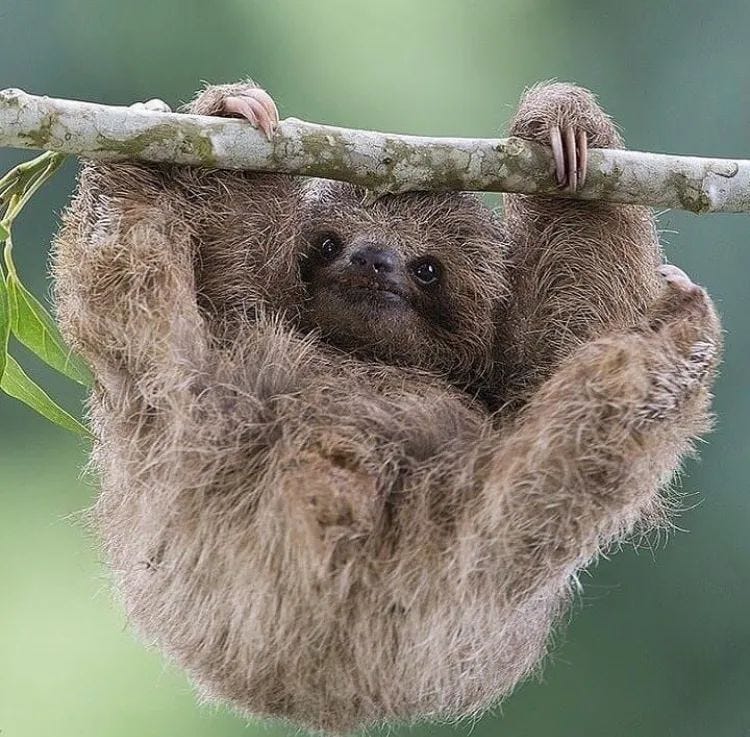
685 326
681 298
684 312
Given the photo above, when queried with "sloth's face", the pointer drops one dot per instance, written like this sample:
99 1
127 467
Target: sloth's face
411 279
367 294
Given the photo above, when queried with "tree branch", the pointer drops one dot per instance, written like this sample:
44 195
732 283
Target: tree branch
381 162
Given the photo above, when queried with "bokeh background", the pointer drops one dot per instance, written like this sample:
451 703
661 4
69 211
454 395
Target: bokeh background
659 642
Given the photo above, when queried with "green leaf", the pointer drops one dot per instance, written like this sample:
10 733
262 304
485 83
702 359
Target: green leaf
33 326
19 386
28 178
4 232
4 323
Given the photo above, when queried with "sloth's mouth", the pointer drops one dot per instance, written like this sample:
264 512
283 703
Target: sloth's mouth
371 291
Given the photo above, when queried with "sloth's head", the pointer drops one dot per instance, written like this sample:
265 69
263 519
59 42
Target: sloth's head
413 279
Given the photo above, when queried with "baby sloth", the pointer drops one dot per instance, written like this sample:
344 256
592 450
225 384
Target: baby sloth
353 453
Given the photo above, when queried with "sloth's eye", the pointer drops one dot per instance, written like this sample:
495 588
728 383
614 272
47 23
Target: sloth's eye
330 247
426 271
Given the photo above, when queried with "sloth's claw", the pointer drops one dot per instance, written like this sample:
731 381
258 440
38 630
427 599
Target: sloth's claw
570 152
571 158
582 143
257 107
267 101
555 140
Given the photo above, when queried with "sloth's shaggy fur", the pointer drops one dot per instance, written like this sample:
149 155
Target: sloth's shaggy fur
341 533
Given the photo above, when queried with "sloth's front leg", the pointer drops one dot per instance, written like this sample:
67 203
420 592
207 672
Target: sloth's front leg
579 269
588 455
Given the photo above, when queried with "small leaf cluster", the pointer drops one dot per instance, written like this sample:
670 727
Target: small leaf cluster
22 316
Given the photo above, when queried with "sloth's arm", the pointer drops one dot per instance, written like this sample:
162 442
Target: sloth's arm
124 279
579 268
128 282
145 250
588 454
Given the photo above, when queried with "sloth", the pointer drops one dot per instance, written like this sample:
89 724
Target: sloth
353 453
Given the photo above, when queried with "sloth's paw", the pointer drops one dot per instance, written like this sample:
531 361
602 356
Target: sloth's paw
684 315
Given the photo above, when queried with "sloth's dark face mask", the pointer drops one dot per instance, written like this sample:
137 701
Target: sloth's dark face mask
411 279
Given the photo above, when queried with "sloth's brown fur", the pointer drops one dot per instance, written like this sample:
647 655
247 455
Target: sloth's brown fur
341 534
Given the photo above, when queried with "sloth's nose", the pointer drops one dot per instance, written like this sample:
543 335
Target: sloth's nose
369 259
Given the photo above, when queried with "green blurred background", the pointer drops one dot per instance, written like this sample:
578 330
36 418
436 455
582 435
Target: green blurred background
659 642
